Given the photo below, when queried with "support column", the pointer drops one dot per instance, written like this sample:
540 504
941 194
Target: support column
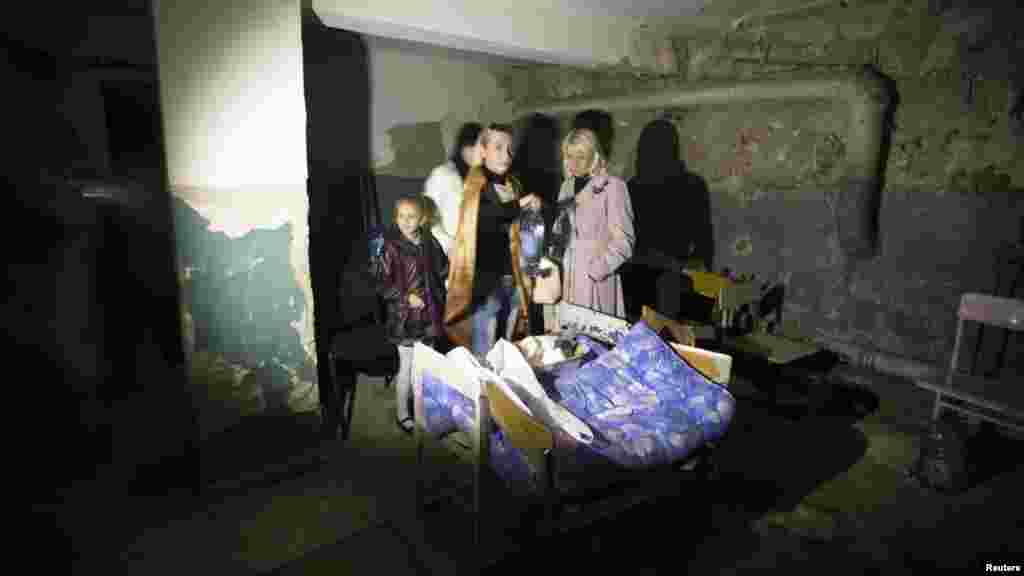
231 89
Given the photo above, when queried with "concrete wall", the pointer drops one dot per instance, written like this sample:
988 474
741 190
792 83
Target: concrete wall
953 179
234 124
420 95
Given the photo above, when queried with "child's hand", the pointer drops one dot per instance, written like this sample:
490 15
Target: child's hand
415 302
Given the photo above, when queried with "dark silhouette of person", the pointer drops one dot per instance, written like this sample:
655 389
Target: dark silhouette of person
537 165
536 161
672 212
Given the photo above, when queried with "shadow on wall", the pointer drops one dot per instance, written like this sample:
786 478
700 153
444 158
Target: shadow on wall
672 211
537 163
537 159
239 300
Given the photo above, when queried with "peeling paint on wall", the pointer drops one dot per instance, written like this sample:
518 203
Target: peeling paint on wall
743 246
747 144
829 151
246 303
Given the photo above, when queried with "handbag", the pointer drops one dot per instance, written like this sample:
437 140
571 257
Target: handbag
531 241
547 284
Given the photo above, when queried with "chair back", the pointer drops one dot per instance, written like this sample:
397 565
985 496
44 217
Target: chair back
992 338
992 310
1004 314
714 366
522 429
681 331
358 301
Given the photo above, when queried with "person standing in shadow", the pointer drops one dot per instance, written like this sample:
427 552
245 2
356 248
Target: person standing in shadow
537 165
673 222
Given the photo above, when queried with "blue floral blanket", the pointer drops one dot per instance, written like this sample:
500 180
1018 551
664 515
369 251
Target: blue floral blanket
646 406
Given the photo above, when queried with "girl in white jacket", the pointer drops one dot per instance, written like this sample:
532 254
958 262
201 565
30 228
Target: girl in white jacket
444 186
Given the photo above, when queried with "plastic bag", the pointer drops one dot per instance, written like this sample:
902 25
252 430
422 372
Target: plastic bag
531 238
561 232
376 244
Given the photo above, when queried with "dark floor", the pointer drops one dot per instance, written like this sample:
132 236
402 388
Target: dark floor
812 477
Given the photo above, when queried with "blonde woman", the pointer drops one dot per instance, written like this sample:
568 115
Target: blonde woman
600 217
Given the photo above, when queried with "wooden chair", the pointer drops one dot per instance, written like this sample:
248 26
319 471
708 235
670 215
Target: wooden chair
991 397
682 332
362 326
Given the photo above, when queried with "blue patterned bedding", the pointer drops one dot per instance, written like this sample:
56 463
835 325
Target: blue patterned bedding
646 406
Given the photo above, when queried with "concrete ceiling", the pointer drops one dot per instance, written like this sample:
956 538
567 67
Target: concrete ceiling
573 32
634 8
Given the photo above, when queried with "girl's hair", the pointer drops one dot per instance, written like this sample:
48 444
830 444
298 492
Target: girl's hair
467 136
415 201
497 127
585 137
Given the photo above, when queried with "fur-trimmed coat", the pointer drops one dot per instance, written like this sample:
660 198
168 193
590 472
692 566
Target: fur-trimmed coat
462 298
601 241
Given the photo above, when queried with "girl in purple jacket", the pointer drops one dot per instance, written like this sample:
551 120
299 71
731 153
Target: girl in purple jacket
410 276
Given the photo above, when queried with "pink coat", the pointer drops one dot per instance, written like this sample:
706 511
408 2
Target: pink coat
603 240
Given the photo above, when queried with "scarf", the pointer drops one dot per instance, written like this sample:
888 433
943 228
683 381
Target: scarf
565 221
462 265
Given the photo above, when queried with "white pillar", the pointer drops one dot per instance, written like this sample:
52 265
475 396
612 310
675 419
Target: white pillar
233 106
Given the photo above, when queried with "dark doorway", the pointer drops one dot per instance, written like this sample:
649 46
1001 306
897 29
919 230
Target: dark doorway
342 203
